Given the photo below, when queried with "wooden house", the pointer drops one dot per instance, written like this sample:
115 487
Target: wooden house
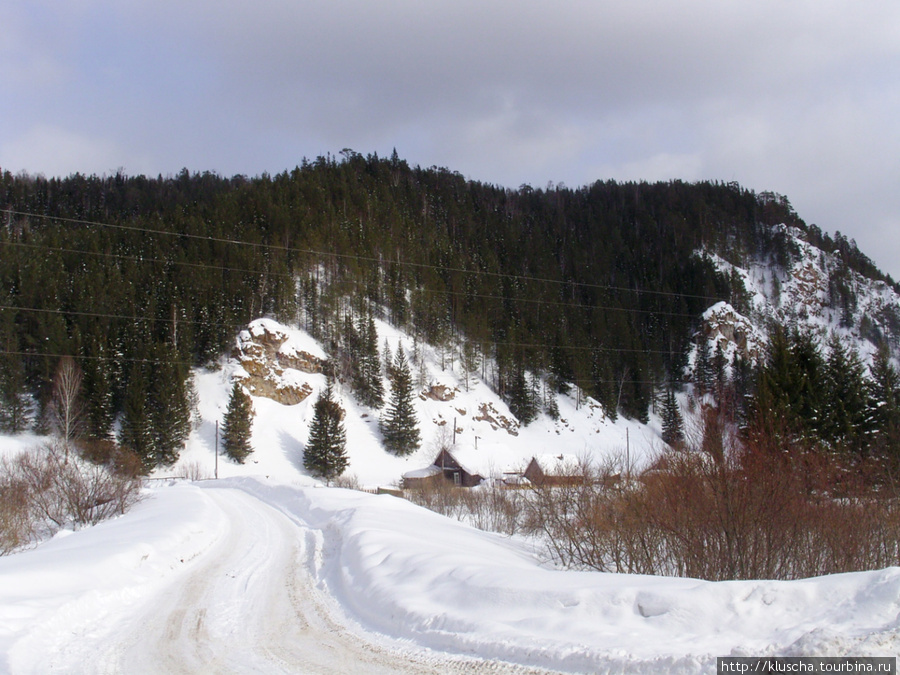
554 469
447 466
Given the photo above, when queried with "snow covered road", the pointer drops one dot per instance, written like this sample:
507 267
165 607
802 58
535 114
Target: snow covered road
246 604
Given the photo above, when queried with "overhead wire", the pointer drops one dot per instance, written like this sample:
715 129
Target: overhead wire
326 254
356 257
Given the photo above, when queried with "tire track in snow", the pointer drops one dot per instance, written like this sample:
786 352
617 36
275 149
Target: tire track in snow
249 605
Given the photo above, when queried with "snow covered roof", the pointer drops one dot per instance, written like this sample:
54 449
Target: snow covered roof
487 460
558 464
427 472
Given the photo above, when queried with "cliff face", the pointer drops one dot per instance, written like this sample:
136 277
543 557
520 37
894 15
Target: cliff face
814 291
275 363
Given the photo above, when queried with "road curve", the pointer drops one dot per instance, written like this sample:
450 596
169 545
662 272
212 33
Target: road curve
248 605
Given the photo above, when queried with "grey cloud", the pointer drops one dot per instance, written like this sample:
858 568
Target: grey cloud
800 97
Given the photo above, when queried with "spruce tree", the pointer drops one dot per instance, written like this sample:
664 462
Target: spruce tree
325 455
135 430
14 406
399 425
237 425
845 420
169 411
98 394
367 365
672 424
884 404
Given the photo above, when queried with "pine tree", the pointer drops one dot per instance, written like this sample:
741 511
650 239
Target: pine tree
845 420
367 366
99 394
169 410
672 424
325 455
237 425
399 425
135 432
703 369
14 406
884 404
520 396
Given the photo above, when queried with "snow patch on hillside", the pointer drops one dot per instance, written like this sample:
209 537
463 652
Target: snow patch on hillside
486 432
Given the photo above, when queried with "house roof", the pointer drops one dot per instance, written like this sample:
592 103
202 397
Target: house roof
487 460
558 464
427 472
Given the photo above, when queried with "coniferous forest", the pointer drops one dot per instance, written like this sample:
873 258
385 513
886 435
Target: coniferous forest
139 279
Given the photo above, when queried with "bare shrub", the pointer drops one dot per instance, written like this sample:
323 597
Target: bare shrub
193 471
724 508
17 526
720 506
491 507
48 492
348 482
437 495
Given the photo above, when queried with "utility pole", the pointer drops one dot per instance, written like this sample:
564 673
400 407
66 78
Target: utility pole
216 450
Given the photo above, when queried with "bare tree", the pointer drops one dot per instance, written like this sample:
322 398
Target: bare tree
67 411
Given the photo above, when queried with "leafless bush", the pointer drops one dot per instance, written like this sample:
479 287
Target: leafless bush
718 507
44 490
493 507
722 509
17 527
193 471
348 482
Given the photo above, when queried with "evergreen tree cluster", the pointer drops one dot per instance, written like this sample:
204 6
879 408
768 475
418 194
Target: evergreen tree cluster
830 397
140 278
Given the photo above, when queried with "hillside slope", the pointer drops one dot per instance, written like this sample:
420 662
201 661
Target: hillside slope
488 437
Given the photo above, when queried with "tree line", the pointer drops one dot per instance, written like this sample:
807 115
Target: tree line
138 279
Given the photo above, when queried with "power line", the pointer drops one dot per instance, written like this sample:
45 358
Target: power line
358 258
124 317
582 384
462 294
358 284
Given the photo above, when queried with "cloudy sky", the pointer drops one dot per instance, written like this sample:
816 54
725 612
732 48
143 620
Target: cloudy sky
800 97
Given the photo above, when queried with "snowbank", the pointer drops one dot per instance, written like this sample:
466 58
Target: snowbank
410 573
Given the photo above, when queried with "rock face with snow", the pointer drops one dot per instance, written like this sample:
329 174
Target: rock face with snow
273 361
813 291
723 324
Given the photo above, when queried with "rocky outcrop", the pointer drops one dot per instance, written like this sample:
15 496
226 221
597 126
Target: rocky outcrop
488 413
723 324
272 368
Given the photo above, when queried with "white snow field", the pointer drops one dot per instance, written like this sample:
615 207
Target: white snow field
246 575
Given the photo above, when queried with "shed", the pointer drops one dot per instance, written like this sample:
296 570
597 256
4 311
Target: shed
446 465
554 469
421 478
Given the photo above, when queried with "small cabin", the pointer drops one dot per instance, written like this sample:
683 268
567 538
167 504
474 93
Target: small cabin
455 472
554 469
447 466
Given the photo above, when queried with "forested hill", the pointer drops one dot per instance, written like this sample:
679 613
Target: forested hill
601 286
